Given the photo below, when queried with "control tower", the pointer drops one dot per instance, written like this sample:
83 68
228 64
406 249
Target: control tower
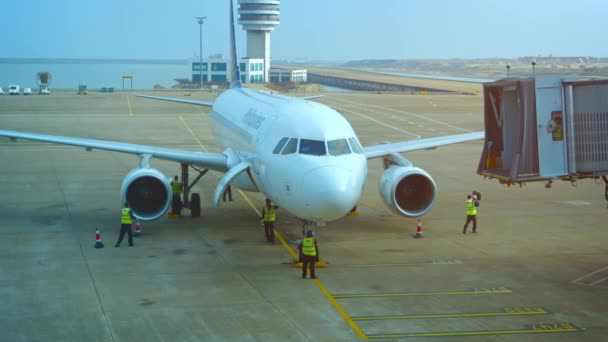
259 17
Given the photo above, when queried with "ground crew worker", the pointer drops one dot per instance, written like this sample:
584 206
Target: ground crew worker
126 220
309 252
471 204
176 203
228 192
269 216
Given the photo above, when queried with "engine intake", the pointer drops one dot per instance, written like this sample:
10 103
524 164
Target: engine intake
148 192
407 191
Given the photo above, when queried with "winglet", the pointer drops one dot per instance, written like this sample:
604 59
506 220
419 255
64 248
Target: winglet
235 81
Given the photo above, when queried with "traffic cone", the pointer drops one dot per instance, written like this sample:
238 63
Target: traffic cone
98 242
138 231
419 230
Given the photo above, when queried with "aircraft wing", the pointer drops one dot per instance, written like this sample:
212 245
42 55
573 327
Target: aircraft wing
195 102
381 150
214 161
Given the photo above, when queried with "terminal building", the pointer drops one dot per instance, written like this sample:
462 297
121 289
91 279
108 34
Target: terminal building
216 70
282 75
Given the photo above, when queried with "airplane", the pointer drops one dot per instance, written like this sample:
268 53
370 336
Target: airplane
303 155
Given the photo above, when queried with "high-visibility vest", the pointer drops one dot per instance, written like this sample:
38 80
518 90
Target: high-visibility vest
558 133
126 216
177 187
270 215
471 210
308 246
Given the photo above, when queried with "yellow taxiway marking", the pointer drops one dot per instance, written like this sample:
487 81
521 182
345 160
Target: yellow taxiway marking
412 294
129 104
338 307
534 329
506 312
192 133
430 262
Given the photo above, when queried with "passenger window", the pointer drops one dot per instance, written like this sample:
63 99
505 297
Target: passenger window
280 145
291 147
338 147
355 146
313 147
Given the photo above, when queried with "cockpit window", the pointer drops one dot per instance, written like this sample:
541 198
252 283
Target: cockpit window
313 147
291 147
338 147
355 146
280 145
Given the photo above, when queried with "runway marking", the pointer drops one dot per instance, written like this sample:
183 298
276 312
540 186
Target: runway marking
532 329
506 312
594 282
429 262
340 310
192 133
405 112
475 291
129 103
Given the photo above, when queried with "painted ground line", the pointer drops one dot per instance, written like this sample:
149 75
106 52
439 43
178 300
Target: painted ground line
129 103
505 312
430 262
534 329
340 310
413 294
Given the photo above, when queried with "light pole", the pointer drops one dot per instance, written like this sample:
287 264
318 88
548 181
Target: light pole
508 70
201 21
533 67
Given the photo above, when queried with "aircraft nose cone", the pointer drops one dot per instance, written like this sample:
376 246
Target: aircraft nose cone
330 192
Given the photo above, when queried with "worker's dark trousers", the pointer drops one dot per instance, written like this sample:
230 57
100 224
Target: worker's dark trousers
269 231
306 261
125 228
470 218
176 204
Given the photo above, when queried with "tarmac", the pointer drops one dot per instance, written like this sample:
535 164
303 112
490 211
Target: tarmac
536 270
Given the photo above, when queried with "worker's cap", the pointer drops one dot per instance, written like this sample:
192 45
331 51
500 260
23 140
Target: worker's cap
469 196
309 233
268 200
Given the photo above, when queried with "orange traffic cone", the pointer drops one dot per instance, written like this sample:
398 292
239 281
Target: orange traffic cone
138 231
98 242
419 230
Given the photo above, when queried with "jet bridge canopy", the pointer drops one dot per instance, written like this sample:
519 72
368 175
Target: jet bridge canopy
545 128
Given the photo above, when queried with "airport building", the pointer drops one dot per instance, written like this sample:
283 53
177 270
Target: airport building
282 75
258 18
216 70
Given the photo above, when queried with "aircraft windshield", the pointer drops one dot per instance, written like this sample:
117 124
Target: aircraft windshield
291 147
312 147
355 146
280 145
338 147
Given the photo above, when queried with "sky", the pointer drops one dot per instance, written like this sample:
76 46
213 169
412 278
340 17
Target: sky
328 30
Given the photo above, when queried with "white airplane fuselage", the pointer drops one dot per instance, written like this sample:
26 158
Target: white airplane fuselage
316 188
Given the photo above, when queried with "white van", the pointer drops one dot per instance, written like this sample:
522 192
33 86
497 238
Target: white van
13 89
2 92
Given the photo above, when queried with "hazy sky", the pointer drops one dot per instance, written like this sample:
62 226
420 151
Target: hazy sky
312 29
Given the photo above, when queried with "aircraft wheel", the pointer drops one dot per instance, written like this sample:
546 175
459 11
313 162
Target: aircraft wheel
195 205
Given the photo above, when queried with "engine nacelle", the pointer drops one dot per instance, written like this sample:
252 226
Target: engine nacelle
407 190
148 192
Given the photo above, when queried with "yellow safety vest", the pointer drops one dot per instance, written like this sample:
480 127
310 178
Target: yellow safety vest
558 133
308 246
126 216
177 187
270 215
471 210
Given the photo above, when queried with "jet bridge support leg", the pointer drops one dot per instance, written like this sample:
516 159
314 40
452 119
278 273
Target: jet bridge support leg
193 203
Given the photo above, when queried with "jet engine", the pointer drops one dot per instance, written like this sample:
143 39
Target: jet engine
407 190
148 192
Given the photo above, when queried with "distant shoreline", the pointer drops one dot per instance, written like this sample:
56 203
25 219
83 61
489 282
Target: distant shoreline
90 61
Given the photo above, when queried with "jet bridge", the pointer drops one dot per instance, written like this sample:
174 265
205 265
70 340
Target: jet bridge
544 129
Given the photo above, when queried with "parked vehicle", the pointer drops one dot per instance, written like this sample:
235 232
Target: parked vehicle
2 92
14 89
44 90
27 91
